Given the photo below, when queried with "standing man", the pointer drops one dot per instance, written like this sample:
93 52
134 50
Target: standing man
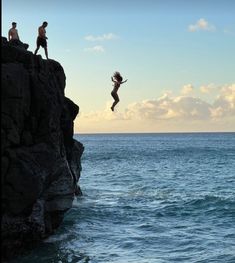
42 39
13 33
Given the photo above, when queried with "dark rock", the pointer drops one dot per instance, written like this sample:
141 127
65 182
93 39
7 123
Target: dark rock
40 159
18 43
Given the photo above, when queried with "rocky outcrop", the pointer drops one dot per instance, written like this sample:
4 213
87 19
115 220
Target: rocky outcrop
40 159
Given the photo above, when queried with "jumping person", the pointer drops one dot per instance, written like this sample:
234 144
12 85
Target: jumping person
117 80
42 39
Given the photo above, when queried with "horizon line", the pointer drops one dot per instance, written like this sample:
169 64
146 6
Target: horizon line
97 133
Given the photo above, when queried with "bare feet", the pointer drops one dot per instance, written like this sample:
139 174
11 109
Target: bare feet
112 108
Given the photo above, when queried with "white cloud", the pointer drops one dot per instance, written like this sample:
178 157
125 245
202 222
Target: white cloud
109 36
105 114
169 107
201 24
217 112
95 49
225 102
207 88
187 89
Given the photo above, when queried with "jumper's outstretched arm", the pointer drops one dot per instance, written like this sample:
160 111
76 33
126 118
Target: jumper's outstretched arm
124 81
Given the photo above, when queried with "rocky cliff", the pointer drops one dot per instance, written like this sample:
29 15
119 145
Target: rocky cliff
40 159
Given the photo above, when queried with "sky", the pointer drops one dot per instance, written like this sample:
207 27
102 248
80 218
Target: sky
178 57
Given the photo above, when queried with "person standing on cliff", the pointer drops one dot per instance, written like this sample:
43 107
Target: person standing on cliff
42 39
117 80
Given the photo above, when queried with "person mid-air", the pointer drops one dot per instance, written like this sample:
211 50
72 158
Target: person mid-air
117 81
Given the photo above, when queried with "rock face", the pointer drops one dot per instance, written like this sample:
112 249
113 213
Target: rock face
40 159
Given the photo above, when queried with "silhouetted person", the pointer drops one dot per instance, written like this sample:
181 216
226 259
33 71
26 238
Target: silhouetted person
13 33
13 37
117 79
42 39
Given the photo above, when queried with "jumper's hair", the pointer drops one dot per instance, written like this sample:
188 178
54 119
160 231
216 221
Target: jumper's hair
117 76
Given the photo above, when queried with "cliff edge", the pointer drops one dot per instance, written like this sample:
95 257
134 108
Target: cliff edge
40 159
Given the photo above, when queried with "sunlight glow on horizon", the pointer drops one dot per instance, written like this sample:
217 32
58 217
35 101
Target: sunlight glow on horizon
182 113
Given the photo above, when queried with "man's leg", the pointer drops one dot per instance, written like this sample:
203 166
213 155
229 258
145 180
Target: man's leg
46 52
35 52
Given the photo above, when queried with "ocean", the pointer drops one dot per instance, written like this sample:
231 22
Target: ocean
149 198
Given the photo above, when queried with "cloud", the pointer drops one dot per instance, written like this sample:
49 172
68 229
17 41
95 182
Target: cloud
224 104
163 108
201 24
99 48
207 88
104 37
168 108
95 49
187 89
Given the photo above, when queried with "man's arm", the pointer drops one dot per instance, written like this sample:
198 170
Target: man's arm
124 81
9 35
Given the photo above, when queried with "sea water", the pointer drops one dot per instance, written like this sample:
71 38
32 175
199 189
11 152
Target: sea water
149 198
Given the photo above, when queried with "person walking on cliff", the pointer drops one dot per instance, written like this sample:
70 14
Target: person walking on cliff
42 39
13 37
117 80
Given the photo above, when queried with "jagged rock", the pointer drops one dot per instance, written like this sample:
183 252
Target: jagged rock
40 159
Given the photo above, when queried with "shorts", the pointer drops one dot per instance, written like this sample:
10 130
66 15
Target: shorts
41 42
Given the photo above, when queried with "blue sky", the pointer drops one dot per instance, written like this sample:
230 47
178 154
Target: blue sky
177 49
